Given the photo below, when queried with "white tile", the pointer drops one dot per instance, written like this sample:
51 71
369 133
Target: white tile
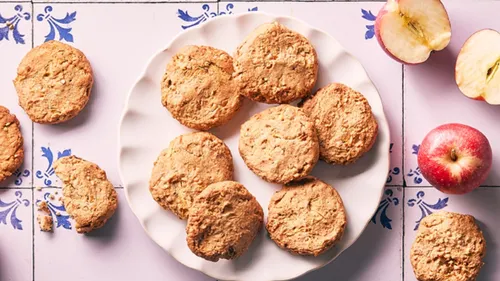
14 44
377 255
119 40
16 235
121 250
482 204
432 97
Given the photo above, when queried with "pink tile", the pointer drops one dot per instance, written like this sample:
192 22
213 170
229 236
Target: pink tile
121 250
13 50
432 97
376 256
118 40
482 204
16 235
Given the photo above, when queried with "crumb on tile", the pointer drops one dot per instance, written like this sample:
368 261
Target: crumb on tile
52 197
55 192
43 207
38 188
58 214
45 223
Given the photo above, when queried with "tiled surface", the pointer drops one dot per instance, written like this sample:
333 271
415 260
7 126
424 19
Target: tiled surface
122 250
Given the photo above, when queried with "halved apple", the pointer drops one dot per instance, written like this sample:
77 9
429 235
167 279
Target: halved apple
477 71
409 30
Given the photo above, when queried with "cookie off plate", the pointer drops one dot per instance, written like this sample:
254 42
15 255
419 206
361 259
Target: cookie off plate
147 128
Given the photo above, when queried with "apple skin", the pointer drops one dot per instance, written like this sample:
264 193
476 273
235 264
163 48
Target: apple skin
378 23
457 172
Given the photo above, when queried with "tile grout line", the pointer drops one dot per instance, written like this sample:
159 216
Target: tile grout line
403 168
33 152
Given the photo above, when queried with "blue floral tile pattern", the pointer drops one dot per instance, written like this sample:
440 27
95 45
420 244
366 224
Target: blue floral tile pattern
10 25
49 172
381 212
367 15
59 25
8 210
415 174
191 21
394 171
57 211
20 175
426 208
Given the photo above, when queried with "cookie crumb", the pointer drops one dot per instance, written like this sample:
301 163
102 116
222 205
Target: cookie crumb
52 197
38 188
43 207
55 193
58 214
45 223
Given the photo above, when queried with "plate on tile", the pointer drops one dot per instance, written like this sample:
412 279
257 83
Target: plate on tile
147 128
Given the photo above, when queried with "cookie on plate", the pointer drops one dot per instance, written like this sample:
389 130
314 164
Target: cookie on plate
306 217
53 82
344 122
11 144
449 246
198 88
279 144
89 198
224 220
190 163
275 65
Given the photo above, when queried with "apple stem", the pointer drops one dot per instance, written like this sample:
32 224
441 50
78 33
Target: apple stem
453 155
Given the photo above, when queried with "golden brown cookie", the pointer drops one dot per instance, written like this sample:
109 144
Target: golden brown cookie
279 144
306 217
190 163
448 247
53 82
198 88
275 65
344 122
11 144
89 198
224 220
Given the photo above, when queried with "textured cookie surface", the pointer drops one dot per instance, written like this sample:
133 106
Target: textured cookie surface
344 122
275 65
279 144
198 88
224 220
306 217
448 247
189 164
11 144
89 198
53 82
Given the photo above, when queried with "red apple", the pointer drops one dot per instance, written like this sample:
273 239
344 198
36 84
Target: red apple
478 62
455 158
409 30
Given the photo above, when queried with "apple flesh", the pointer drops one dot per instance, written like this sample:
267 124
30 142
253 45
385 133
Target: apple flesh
477 71
455 158
409 30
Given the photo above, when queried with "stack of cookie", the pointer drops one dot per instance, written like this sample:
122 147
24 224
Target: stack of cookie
203 88
54 82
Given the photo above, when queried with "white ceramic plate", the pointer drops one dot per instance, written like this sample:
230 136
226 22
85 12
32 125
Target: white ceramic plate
147 128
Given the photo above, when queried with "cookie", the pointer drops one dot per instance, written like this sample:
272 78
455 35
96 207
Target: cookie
11 144
344 122
448 247
306 217
275 65
53 82
198 88
45 222
224 220
89 198
279 144
190 163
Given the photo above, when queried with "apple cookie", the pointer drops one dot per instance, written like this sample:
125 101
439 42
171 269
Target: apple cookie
53 82
306 217
279 144
190 163
344 123
198 88
448 246
89 198
275 65
11 144
223 221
